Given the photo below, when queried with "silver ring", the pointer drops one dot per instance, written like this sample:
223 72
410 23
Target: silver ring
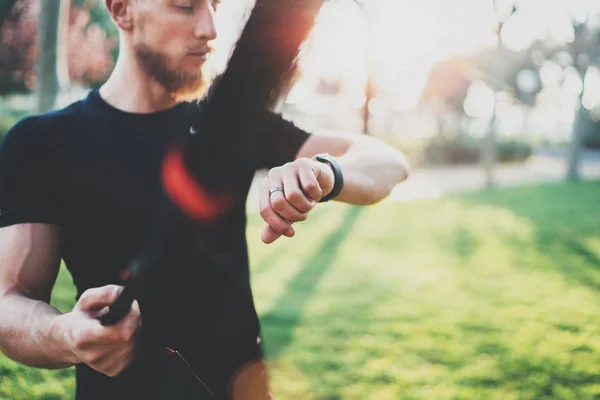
275 189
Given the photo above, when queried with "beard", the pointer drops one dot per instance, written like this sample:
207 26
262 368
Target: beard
181 85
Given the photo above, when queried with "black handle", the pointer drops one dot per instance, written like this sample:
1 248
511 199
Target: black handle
119 309
139 270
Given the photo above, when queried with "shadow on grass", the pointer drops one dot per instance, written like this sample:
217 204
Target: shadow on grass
285 315
561 225
563 218
462 244
275 257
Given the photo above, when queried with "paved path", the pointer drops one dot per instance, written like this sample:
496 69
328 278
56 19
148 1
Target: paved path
435 182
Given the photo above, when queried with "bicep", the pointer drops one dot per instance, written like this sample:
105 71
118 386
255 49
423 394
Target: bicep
29 259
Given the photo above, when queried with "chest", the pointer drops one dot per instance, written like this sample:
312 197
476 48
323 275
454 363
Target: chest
113 186
113 181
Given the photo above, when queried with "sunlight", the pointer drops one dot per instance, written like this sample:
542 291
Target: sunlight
406 42
404 37
402 43
398 41
339 43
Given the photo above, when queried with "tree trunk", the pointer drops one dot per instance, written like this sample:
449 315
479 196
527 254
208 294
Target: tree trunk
489 151
574 155
52 52
490 145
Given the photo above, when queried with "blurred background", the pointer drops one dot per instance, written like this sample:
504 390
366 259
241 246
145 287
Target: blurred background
478 278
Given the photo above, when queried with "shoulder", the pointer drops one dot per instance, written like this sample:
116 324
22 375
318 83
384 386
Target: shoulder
41 129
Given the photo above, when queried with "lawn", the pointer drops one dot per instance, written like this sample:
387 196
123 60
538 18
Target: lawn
481 296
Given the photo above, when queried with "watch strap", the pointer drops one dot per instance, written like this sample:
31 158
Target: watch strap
338 183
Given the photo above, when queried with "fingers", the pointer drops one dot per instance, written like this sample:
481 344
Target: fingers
128 329
107 349
280 200
274 220
98 298
125 331
298 194
297 202
310 185
131 324
269 235
92 332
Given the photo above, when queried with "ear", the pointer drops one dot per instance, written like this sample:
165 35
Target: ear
120 11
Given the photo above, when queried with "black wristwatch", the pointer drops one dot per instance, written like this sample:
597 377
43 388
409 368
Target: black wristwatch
338 182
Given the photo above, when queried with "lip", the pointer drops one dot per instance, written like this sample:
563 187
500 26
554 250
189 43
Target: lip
199 54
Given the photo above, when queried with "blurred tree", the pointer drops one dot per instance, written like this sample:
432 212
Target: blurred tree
366 6
447 87
585 52
514 64
329 87
18 34
5 6
504 11
92 45
449 82
99 18
52 64
98 15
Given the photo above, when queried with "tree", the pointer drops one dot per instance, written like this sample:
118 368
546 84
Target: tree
52 44
18 33
447 87
5 7
449 83
489 149
92 45
584 52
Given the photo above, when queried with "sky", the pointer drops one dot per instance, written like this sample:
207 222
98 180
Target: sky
403 39
408 36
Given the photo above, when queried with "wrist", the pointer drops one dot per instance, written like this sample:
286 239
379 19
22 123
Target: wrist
332 169
60 334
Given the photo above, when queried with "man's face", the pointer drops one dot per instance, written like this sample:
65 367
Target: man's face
171 41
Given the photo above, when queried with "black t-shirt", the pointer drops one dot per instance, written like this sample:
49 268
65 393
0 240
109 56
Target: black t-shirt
94 171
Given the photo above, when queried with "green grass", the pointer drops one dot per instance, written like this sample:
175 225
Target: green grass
483 296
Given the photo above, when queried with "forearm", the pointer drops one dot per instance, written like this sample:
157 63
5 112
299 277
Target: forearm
370 173
31 333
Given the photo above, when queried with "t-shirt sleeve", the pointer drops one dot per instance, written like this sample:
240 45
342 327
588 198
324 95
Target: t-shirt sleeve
30 174
282 142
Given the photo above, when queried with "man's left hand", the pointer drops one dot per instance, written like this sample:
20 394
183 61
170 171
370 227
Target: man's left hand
290 192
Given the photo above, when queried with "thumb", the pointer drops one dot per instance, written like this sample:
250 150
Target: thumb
97 298
325 177
269 235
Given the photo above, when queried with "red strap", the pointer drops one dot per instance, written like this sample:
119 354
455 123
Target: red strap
187 193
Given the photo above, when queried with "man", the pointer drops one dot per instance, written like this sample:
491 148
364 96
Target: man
82 184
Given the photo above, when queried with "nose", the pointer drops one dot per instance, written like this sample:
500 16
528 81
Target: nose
205 22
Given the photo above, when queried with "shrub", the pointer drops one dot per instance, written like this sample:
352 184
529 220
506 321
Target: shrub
467 150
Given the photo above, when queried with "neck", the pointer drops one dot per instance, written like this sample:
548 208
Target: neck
130 89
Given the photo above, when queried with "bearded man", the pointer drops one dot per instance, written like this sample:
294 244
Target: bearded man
82 183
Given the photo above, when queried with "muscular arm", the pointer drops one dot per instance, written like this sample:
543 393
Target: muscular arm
30 329
371 168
